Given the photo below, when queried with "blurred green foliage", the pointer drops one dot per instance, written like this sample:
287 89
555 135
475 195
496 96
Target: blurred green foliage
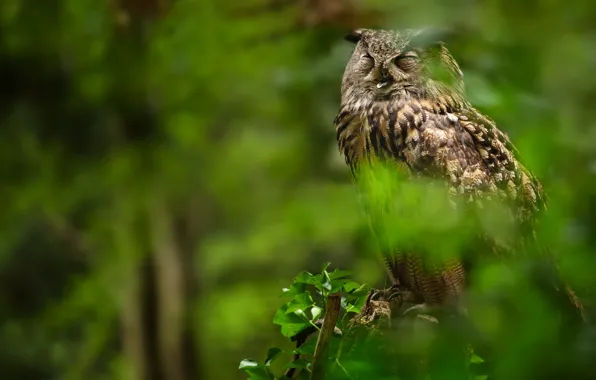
168 166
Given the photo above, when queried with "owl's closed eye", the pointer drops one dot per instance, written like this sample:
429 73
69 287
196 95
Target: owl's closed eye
367 62
407 61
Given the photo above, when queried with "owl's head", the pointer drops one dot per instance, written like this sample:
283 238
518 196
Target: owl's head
408 63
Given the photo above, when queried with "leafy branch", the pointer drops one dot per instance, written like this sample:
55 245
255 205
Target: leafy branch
329 293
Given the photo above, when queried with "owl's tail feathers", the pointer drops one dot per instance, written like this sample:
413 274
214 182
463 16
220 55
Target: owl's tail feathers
572 309
560 293
576 304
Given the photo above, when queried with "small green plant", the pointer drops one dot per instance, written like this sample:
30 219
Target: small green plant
302 313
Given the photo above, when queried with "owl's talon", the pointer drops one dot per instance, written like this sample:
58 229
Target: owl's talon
395 295
374 294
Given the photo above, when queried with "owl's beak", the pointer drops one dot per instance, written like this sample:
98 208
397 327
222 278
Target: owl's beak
384 79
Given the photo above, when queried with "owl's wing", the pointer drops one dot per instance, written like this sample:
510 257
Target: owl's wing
512 179
478 160
529 197
443 148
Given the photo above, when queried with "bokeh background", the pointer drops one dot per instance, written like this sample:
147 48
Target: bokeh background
167 166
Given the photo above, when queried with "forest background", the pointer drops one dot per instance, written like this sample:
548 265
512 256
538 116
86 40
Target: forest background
168 166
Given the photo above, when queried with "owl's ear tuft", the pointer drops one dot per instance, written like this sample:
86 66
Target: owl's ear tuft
354 36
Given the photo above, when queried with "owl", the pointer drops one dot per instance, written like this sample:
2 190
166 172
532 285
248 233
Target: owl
403 102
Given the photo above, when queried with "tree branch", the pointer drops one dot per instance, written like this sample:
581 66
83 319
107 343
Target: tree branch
320 357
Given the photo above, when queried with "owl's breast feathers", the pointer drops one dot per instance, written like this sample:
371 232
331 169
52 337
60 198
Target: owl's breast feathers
445 138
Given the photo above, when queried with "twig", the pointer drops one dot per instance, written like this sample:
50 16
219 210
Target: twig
320 357
301 338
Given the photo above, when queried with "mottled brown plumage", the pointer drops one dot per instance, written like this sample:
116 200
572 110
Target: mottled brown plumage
403 101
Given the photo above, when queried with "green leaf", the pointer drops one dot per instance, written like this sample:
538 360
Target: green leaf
304 277
344 302
295 288
337 274
291 324
272 354
325 266
247 363
351 286
255 370
362 291
307 348
353 309
316 312
300 313
301 301
354 304
317 280
337 285
310 279
259 373
298 363
325 285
